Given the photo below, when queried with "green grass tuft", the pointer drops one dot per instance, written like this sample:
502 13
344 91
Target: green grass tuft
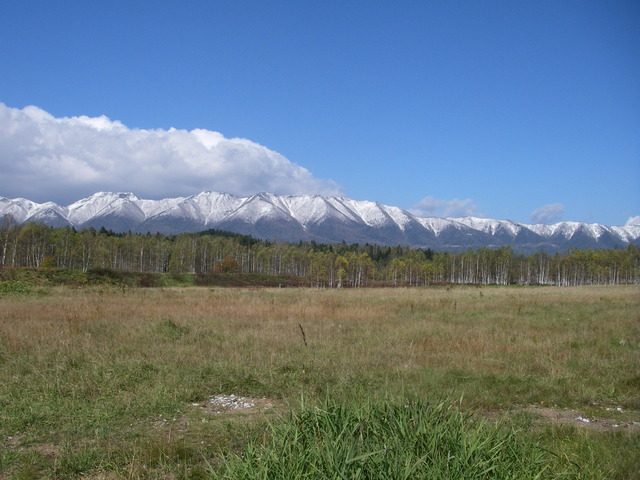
413 440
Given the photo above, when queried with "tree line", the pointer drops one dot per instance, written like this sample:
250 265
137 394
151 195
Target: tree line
322 265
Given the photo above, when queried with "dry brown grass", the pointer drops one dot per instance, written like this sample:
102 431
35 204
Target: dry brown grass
555 333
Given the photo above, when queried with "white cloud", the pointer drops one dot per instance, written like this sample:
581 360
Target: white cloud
547 214
435 207
633 221
63 159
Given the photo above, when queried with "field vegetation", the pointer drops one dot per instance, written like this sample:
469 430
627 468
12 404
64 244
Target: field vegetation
108 380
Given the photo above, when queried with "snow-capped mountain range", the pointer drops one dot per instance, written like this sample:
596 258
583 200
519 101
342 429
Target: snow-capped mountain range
307 217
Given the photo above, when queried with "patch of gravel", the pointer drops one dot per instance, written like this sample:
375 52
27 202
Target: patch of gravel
217 404
225 403
214 406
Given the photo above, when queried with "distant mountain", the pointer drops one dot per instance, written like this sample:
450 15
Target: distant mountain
323 219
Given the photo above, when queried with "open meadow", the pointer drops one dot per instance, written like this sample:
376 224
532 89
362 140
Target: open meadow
107 382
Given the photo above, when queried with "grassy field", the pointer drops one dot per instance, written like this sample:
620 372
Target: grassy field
103 382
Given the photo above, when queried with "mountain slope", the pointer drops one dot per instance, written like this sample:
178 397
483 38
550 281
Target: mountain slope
307 217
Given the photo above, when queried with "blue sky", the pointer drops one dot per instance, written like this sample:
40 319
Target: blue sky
520 110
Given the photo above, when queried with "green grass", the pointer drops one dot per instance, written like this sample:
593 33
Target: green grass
388 441
100 382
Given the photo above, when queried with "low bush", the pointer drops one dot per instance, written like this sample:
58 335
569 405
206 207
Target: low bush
247 280
15 287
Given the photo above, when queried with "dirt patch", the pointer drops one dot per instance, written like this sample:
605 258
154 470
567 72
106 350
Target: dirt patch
48 450
17 442
576 419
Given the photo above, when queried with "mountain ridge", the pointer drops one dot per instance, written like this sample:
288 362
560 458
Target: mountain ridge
313 217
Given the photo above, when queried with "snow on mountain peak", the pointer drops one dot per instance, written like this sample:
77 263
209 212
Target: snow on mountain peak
490 226
98 204
435 224
375 214
327 219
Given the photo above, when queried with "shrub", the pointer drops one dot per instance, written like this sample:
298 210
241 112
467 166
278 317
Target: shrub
15 287
227 265
147 280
